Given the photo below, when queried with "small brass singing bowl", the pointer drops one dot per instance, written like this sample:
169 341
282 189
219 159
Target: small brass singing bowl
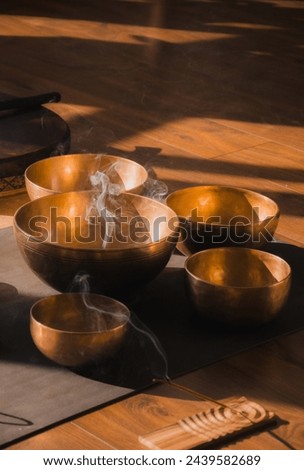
67 173
62 236
237 286
215 216
76 329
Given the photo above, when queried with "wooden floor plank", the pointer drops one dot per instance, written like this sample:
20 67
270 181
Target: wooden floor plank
68 436
123 423
201 77
262 382
200 136
271 161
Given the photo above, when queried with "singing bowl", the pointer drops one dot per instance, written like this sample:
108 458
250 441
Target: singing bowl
215 216
67 173
75 329
237 286
59 241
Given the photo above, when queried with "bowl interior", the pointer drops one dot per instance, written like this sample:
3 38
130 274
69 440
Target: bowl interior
80 313
73 172
221 205
237 267
85 220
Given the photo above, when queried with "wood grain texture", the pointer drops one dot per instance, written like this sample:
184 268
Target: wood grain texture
212 427
274 375
66 437
271 161
272 370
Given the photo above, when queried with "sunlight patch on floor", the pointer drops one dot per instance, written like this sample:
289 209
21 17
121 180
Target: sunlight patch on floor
108 32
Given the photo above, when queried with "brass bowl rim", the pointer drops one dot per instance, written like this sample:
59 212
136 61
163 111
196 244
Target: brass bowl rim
95 249
84 333
234 248
69 155
232 188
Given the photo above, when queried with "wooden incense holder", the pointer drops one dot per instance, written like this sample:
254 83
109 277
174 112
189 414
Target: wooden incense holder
210 427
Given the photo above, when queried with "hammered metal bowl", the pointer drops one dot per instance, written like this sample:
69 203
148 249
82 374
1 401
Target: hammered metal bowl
67 173
215 216
76 329
61 238
237 286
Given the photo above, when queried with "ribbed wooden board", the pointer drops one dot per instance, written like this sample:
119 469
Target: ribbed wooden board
209 427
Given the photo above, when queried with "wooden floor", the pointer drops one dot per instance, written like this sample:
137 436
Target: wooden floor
201 92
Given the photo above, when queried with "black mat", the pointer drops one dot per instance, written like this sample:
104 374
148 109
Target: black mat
165 339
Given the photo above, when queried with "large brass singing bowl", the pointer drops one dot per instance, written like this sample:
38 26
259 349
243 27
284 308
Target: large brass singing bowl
67 173
237 286
76 329
215 216
66 243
